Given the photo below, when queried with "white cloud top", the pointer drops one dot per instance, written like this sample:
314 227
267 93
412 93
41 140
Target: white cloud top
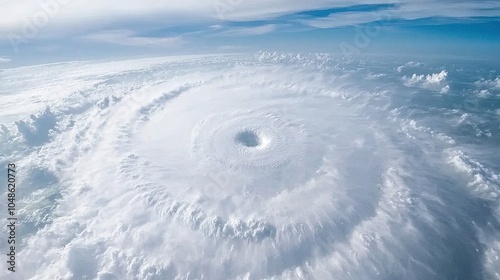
431 81
275 166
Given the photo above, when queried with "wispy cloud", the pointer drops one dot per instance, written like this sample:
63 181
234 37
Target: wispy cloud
346 19
16 15
231 48
249 31
128 38
405 10
5 60
167 23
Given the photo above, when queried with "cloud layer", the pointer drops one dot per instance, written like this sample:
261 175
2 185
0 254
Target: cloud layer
267 166
18 16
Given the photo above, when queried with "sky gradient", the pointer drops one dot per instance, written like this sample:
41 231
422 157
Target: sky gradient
57 30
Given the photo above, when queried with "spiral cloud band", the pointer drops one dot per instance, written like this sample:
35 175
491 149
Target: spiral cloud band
274 166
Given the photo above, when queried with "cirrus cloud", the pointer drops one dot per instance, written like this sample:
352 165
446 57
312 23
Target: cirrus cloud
127 38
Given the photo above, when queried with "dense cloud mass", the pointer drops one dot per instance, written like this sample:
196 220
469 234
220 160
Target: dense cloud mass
267 166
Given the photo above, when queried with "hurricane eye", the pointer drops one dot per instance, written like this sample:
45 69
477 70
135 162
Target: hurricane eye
248 139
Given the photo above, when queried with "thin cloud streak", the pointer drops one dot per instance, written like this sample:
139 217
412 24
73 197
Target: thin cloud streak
127 38
248 31
16 15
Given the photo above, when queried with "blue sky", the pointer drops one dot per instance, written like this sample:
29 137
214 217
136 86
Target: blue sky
57 30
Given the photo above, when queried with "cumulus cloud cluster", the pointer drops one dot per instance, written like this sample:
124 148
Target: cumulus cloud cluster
435 81
492 84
